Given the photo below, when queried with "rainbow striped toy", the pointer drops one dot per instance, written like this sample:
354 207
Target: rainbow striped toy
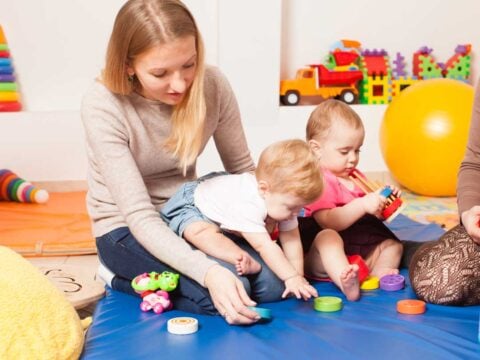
13 188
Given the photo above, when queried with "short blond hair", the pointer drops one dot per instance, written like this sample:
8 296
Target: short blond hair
139 26
290 166
326 113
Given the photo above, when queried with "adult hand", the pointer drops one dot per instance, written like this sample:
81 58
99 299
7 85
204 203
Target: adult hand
470 220
229 296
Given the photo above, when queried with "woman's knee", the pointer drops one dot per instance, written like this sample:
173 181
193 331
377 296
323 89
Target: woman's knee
266 286
446 272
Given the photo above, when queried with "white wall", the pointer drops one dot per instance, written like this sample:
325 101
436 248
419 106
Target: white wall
58 48
310 27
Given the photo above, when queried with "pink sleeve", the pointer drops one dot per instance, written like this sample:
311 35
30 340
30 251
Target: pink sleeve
329 197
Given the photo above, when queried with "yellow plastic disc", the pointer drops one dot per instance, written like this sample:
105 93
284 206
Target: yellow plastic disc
370 283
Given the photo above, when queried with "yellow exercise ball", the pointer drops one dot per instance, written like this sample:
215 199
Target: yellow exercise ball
424 133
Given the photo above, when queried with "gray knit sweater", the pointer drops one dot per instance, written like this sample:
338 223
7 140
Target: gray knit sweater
130 175
468 189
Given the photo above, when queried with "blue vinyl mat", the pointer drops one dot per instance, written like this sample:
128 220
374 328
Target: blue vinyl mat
370 328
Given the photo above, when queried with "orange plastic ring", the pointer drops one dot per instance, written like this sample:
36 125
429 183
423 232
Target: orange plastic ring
411 307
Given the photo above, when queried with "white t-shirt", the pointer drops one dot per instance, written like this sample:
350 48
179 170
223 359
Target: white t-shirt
233 202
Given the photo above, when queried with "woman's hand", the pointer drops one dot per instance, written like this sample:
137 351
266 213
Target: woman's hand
470 220
229 296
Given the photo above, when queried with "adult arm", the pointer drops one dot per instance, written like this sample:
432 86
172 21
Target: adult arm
229 136
468 188
115 167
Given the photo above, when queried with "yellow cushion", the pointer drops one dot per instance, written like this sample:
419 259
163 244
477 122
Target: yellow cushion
36 320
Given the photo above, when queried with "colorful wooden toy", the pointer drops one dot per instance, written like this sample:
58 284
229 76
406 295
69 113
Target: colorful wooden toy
9 96
13 188
394 204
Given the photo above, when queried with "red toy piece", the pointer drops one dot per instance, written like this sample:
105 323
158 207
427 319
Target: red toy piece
363 269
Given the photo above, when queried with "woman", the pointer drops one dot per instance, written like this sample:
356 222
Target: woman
447 271
146 121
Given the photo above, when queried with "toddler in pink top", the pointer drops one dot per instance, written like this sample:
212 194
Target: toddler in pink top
344 221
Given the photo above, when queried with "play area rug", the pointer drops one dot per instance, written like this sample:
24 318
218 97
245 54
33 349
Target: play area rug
58 228
75 282
439 210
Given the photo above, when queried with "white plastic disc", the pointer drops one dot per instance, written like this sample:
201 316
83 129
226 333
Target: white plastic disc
182 325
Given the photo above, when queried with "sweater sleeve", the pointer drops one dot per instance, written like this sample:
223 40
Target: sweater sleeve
229 135
108 146
468 188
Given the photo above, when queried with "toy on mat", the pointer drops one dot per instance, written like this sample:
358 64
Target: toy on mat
411 307
147 284
392 282
370 283
13 188
363 270
265 314
394 204
182 325
152 281
159 301
327 303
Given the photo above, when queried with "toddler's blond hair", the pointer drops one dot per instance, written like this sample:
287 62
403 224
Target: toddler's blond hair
290 167
326 113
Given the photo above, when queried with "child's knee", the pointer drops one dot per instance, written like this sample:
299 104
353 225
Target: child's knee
199 229
392 244
328 237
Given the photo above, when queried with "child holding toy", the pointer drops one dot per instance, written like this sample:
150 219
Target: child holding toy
349 216
251 205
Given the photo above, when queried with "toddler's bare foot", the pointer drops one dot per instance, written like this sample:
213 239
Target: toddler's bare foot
349 282
246 265
380 272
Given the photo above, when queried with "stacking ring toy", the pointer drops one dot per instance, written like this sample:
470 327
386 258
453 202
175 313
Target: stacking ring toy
327 303
182 325
411 307
370 283
392 282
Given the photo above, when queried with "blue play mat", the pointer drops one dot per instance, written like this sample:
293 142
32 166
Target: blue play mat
370 328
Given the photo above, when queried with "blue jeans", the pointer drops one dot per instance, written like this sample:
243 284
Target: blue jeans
180 210
121 253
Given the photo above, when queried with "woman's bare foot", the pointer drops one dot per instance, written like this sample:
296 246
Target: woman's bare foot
349 282
246 265
380 272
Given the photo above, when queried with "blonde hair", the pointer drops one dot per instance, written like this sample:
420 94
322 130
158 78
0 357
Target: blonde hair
139 26
326 113
290 166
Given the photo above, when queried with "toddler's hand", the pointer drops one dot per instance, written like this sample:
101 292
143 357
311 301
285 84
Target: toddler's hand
373 203
299 286
395 190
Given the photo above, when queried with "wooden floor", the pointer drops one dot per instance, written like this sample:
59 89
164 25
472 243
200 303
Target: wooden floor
88 265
